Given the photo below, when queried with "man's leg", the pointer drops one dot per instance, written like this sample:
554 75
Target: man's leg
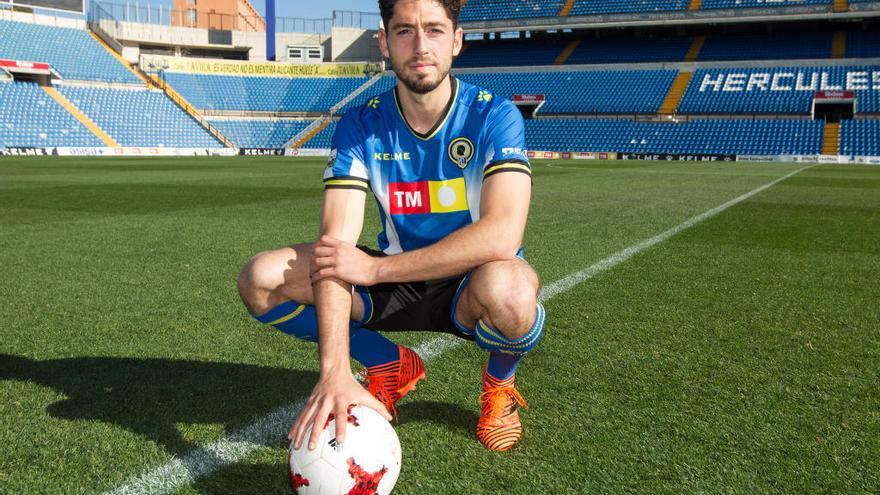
276 289
500 306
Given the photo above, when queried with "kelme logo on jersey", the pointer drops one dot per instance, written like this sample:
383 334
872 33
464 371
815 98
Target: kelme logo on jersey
461 150
430 196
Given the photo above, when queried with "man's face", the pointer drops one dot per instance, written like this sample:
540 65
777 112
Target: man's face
421 43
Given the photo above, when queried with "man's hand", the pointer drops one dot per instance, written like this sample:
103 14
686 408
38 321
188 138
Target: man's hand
333 394
333 258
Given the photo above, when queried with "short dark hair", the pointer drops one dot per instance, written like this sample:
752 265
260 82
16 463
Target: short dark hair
452 7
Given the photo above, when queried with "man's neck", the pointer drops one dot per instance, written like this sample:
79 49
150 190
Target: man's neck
422 111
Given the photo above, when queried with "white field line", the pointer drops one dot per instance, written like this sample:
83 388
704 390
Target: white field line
270 429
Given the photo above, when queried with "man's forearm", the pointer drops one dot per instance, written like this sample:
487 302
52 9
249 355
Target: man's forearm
333 306
463 250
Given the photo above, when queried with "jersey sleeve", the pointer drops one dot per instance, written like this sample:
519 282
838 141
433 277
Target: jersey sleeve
506 145
346 168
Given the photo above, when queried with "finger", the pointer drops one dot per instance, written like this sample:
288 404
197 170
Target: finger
318 426
321 251
299 426
322 274
341 422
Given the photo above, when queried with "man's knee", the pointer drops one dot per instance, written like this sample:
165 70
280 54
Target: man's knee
508 293
271 277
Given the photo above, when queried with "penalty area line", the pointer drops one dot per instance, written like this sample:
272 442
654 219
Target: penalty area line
271 428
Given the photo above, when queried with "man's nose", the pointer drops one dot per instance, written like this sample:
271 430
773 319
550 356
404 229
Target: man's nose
421 42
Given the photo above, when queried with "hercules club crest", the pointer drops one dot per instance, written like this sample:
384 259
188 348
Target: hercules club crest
461 150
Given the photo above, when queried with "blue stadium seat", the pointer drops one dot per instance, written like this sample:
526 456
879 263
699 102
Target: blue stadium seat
140 117
746 4
860 137
862 44
779 46
603 7
31 118
259 133
262 93
324 138
509 53
71 52
757 137
638 91
487 10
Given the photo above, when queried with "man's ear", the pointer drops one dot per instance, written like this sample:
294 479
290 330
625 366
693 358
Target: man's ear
383 44
458 41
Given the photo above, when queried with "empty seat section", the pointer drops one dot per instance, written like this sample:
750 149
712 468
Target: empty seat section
860 137
777 89
862 44
488 10
31 118
622 50
747 4
324 138
385 83
510 53
756 137
71 52
261 93
583 91
767 46
140 117
601 7
260 133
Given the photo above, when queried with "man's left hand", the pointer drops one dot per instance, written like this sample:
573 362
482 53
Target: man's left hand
332 258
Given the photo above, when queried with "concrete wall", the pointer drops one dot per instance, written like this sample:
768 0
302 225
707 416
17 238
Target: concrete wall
132 34
354 45
42 19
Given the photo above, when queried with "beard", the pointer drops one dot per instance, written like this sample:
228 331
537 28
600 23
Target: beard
419 83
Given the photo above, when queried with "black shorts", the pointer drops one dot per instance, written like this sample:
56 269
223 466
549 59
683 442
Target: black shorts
426 306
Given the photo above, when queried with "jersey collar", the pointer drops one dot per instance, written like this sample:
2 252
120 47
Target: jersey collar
443 118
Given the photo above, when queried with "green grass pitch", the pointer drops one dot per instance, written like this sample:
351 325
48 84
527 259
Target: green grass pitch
740 356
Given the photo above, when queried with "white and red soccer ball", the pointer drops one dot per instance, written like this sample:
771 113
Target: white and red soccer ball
368 463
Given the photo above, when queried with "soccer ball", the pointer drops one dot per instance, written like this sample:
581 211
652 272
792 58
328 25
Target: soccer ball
368 462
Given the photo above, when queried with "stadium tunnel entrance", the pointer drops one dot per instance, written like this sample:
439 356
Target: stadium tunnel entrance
833 106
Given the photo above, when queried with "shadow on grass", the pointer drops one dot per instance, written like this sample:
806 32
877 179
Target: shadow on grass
455 417
150 397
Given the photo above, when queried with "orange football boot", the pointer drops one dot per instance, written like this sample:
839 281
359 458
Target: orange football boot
499 428
391 381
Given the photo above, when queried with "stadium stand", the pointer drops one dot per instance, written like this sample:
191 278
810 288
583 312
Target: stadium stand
779 46
698 136
747 4
140 117
31 118
621 91
262 93
863 44
260 133
384 84
482 10
860 137
323 139
601 7
510 53
73 53
787 90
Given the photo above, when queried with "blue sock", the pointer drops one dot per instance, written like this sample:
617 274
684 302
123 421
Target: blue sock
505 354
367 347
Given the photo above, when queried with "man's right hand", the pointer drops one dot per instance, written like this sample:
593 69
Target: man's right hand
334 393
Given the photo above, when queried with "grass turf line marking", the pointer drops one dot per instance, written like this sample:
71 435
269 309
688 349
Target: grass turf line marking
565 284
269 429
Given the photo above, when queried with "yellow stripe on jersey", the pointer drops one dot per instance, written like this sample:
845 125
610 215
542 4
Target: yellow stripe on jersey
359 184
448 196
512 166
